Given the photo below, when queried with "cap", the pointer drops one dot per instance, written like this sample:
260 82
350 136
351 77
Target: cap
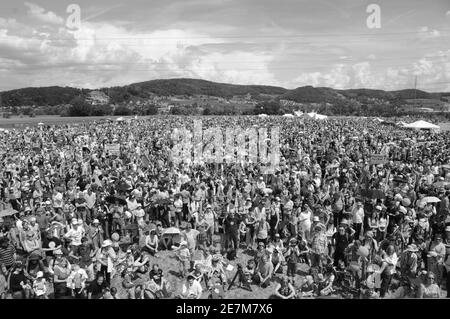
39 274
378 207
316 219
96 221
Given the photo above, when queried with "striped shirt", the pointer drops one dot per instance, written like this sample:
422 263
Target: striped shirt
7 255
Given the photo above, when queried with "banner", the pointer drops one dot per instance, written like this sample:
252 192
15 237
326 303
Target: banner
376 159
112 149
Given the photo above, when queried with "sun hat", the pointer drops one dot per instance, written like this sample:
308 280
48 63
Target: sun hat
412 248
106 243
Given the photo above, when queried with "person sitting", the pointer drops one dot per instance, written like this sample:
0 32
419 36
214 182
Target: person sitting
429 289
264 272
216 271
308 287
284 290
19 283
191 289
157 286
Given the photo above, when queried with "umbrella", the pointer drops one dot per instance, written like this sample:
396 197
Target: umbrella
113 199
373 193
440 184
171 231
430 199
399 179
8 212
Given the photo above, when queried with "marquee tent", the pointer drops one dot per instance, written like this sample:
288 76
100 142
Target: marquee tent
422 125
317 116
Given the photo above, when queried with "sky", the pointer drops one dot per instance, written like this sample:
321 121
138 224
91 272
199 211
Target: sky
288 43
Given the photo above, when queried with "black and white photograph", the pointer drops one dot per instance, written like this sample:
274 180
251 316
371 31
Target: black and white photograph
205 150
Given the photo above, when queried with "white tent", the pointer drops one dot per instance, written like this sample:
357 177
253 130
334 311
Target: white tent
317 116
262 115
298 113
401 123
422 125
288 115
120 119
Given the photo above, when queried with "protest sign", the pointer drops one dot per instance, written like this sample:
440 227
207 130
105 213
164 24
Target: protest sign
112 149
376 159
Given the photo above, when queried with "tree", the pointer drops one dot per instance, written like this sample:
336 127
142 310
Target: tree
122 110
79 107
268 107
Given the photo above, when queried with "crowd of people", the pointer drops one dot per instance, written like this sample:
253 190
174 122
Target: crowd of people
331 220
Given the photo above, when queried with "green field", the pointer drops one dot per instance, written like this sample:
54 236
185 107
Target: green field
23 122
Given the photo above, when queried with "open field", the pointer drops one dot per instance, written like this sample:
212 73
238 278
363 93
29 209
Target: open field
22 122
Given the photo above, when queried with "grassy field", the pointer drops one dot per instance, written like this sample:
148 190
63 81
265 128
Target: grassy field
22 122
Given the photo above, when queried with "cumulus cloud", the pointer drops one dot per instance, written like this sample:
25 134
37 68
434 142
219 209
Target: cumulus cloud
39 13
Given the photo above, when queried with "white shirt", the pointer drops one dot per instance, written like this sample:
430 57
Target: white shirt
195 289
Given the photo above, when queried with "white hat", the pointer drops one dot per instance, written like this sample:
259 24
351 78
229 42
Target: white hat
48 202
96 221
39 274
183 243
378 207
106 243
316 219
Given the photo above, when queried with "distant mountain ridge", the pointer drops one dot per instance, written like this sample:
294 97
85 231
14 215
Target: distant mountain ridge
56 95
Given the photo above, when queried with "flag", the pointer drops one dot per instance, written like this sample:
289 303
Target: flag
144 160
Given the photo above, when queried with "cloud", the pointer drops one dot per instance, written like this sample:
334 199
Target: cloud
448 13
425 33
38 13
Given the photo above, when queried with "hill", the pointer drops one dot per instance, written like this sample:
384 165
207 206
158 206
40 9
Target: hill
55 95
309 94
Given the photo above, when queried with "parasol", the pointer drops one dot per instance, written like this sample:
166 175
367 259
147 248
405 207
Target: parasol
112 199
8 212
373 194
171 231
430 199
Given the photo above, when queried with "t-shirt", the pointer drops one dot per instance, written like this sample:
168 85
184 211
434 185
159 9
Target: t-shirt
232 224
191 237
46 244
96 289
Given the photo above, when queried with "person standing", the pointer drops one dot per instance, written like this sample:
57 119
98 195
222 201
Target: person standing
358 218
231 229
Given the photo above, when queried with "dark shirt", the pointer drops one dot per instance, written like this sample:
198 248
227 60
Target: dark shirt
96 289
232 224
15 281
46 241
